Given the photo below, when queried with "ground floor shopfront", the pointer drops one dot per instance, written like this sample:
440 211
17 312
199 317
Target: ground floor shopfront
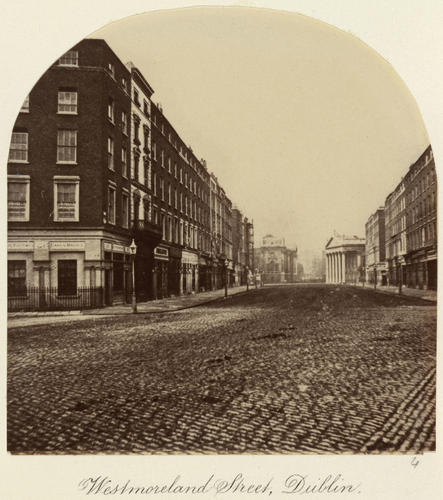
396 271
377 274
421 269
81 269
67 269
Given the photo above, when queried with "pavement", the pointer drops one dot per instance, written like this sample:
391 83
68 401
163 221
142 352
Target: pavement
18 319
301 369
407 292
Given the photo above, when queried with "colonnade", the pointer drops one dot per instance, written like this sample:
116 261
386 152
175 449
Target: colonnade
342 266
336 267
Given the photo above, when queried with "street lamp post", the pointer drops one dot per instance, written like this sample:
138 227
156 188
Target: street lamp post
226 278
133 248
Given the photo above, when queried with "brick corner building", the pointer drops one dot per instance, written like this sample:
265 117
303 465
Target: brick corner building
95 169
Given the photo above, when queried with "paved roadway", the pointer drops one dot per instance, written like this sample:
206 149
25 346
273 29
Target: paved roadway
279 370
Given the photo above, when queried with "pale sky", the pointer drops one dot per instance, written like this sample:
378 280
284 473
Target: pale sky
306 128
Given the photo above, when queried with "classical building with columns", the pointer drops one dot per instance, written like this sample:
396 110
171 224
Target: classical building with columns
345 257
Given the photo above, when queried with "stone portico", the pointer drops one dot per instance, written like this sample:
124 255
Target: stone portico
344 259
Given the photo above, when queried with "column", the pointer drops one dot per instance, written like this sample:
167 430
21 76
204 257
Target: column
335 267
332 267
343 258
329 267
339 267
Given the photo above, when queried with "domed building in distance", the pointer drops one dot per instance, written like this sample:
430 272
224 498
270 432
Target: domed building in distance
276 262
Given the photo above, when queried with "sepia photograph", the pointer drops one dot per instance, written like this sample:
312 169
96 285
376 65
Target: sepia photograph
221 240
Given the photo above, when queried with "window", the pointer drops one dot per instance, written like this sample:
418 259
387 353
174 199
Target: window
124 123
111 204
169 165
25 105
154 150
124 84
16 278
125 210
175 199
181 175
146 164
136 120
69 59
154 183
124 162
145 108
66 198
146 206
136 162
162 189
110 153
169 194
163 224
18 198
175 170
67 277
136 98
67 146
18 152
111 110
111 69
146 138
67 102
162 158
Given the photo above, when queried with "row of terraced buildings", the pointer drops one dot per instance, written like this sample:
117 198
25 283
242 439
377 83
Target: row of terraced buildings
401 236
95 167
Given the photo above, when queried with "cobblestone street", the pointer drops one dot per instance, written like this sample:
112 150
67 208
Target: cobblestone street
290 369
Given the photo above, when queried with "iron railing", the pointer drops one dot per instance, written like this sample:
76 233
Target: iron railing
52 299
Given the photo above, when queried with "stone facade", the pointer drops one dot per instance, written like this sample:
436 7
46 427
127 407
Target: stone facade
345 259
376 269
275 262
421 223
395 235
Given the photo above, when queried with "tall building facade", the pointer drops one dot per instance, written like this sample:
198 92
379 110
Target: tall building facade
68 183
421 222
96 167
410 230
376 269
395 235
242 247
221 235
146 231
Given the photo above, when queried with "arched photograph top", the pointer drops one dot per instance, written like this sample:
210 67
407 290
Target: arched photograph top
221 240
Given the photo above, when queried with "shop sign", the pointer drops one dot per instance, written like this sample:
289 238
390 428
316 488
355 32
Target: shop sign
189 258
107 246
161 253
20 246
118 248
56 246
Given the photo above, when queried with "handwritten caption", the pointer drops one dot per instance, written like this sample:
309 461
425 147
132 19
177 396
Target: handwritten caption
239 484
